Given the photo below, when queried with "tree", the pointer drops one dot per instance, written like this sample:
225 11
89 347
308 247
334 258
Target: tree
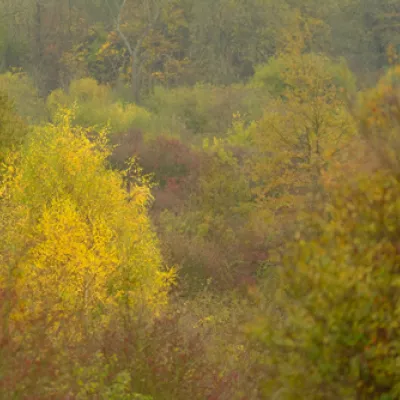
228 38
362 31
339 335
301 131
75 250
12 128
148 13
23 93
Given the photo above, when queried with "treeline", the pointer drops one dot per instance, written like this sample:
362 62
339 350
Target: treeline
180 42
199 200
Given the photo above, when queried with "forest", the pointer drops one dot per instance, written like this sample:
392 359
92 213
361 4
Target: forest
199 199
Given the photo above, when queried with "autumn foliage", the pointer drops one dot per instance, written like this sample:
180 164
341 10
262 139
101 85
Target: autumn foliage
199 200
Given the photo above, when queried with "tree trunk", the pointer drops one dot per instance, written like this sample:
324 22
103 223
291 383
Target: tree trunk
135 76
38 28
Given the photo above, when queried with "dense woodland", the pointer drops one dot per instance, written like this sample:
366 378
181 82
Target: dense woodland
200 199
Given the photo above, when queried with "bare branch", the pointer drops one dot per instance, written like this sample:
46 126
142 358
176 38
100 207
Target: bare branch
149 27
118 25
117 19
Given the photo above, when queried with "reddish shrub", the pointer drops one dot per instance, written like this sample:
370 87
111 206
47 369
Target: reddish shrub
126 145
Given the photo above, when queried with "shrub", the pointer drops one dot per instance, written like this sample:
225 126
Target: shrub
270 75
12 128
204 109
21 90
97 106
169 158
184 353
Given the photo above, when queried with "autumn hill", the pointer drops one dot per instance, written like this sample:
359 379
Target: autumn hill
199 200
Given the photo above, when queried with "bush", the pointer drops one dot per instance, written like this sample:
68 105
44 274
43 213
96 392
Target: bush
22 91
174 165
204 109
97 106
184 354
12 128
210 234
269 76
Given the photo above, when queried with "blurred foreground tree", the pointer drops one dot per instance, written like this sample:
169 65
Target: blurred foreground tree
339 336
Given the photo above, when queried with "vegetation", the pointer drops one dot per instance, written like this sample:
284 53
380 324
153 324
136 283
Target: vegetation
339 337
199 200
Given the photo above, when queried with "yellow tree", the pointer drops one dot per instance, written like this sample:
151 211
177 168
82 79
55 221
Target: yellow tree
380 116
301 130
12 127
74 248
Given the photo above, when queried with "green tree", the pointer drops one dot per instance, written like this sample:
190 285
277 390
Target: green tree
339 336
301 131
